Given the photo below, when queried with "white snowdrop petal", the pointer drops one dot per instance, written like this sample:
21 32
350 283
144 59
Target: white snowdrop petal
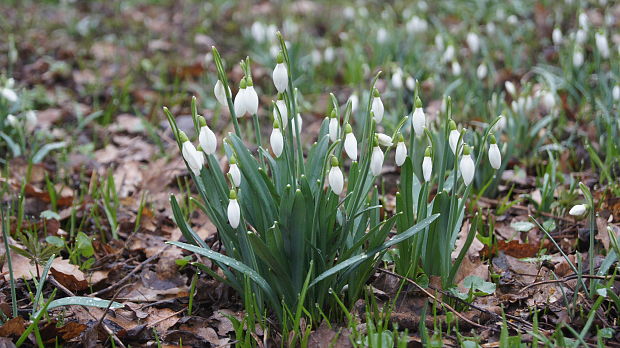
336 180
277 142
376 161
467 168
220 93
578 210
401 153
377 109
384 139
251 100
235 173
453 139
234 214
333 129
418 121
239 104
280 77
350 146
208 140
281 105
193 157
495 156
427 168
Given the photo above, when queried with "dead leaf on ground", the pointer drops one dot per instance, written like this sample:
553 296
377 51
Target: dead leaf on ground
51 333
13 327
68 275
512 248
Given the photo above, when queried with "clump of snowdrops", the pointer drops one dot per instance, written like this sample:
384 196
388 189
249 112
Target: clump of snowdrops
302 231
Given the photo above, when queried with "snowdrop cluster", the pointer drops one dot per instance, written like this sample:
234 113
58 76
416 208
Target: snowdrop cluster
246 100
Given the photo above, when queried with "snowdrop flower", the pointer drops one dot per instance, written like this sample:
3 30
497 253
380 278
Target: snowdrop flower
510 88
240 100
220 93
578 210
481 72
234 213
329 54
501 124
453 137
276 140
31 120
354 102
333 126
416 25
578 57
556 36
377 106
299 124
495 156
350 142
473 41
281 106
410 83
601 44
456 68
512 20
335 177
615 92
384 139
397 79
401 150
382 35
206 137
258 31
12 121
251 98
581 36
234 172
548 100
280 74
490 28
376 159
9 94
316 57
427 165
467 166
193 157
439 42
583 20
448 54
418 120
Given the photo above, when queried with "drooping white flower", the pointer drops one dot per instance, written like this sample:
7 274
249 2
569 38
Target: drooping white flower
601 44
233 211
556 36
335 177
12 121
401 150
456 68
220 93
482 70
276 140
350 142
583 20
280 74
329 54
467 166
578 210
501 124
581 36
376 160
299 124
193 157
453 137
416 25
512 20
578 57
234 172
354 102
206 137
281 106
448 54
418 120
495 156
548 100
615 92
251 98
510 88
397 79
31 120
240 100
9 94
333 127
377 106
410 83
384 139
382 35
427 165
258 31
473 41
439 44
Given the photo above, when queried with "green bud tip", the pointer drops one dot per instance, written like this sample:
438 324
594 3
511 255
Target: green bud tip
248 81
375 141
418 102
183 137
276 124
428 152
333 114
242 84
202 121
280 96
452 125
466 150
334 161
347 129
232 194
375 92
399 138
280 58
492 139
233 160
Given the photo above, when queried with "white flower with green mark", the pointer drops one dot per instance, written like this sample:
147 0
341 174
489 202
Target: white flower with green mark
251 97
453 137
280 74
377 106
376 159
334 126
601 44
206 137
281 106
418 120
401 150
495 156
335 177
427 165
233 211
350 142
467 166
578 210
193 157
276 139
240 99
234 172
220 93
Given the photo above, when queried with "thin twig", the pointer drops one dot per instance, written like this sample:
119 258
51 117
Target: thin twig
458 314
565 279
130 274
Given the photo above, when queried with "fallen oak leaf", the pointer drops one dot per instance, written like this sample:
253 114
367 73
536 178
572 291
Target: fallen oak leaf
68 275
512 248
50 332
13 327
